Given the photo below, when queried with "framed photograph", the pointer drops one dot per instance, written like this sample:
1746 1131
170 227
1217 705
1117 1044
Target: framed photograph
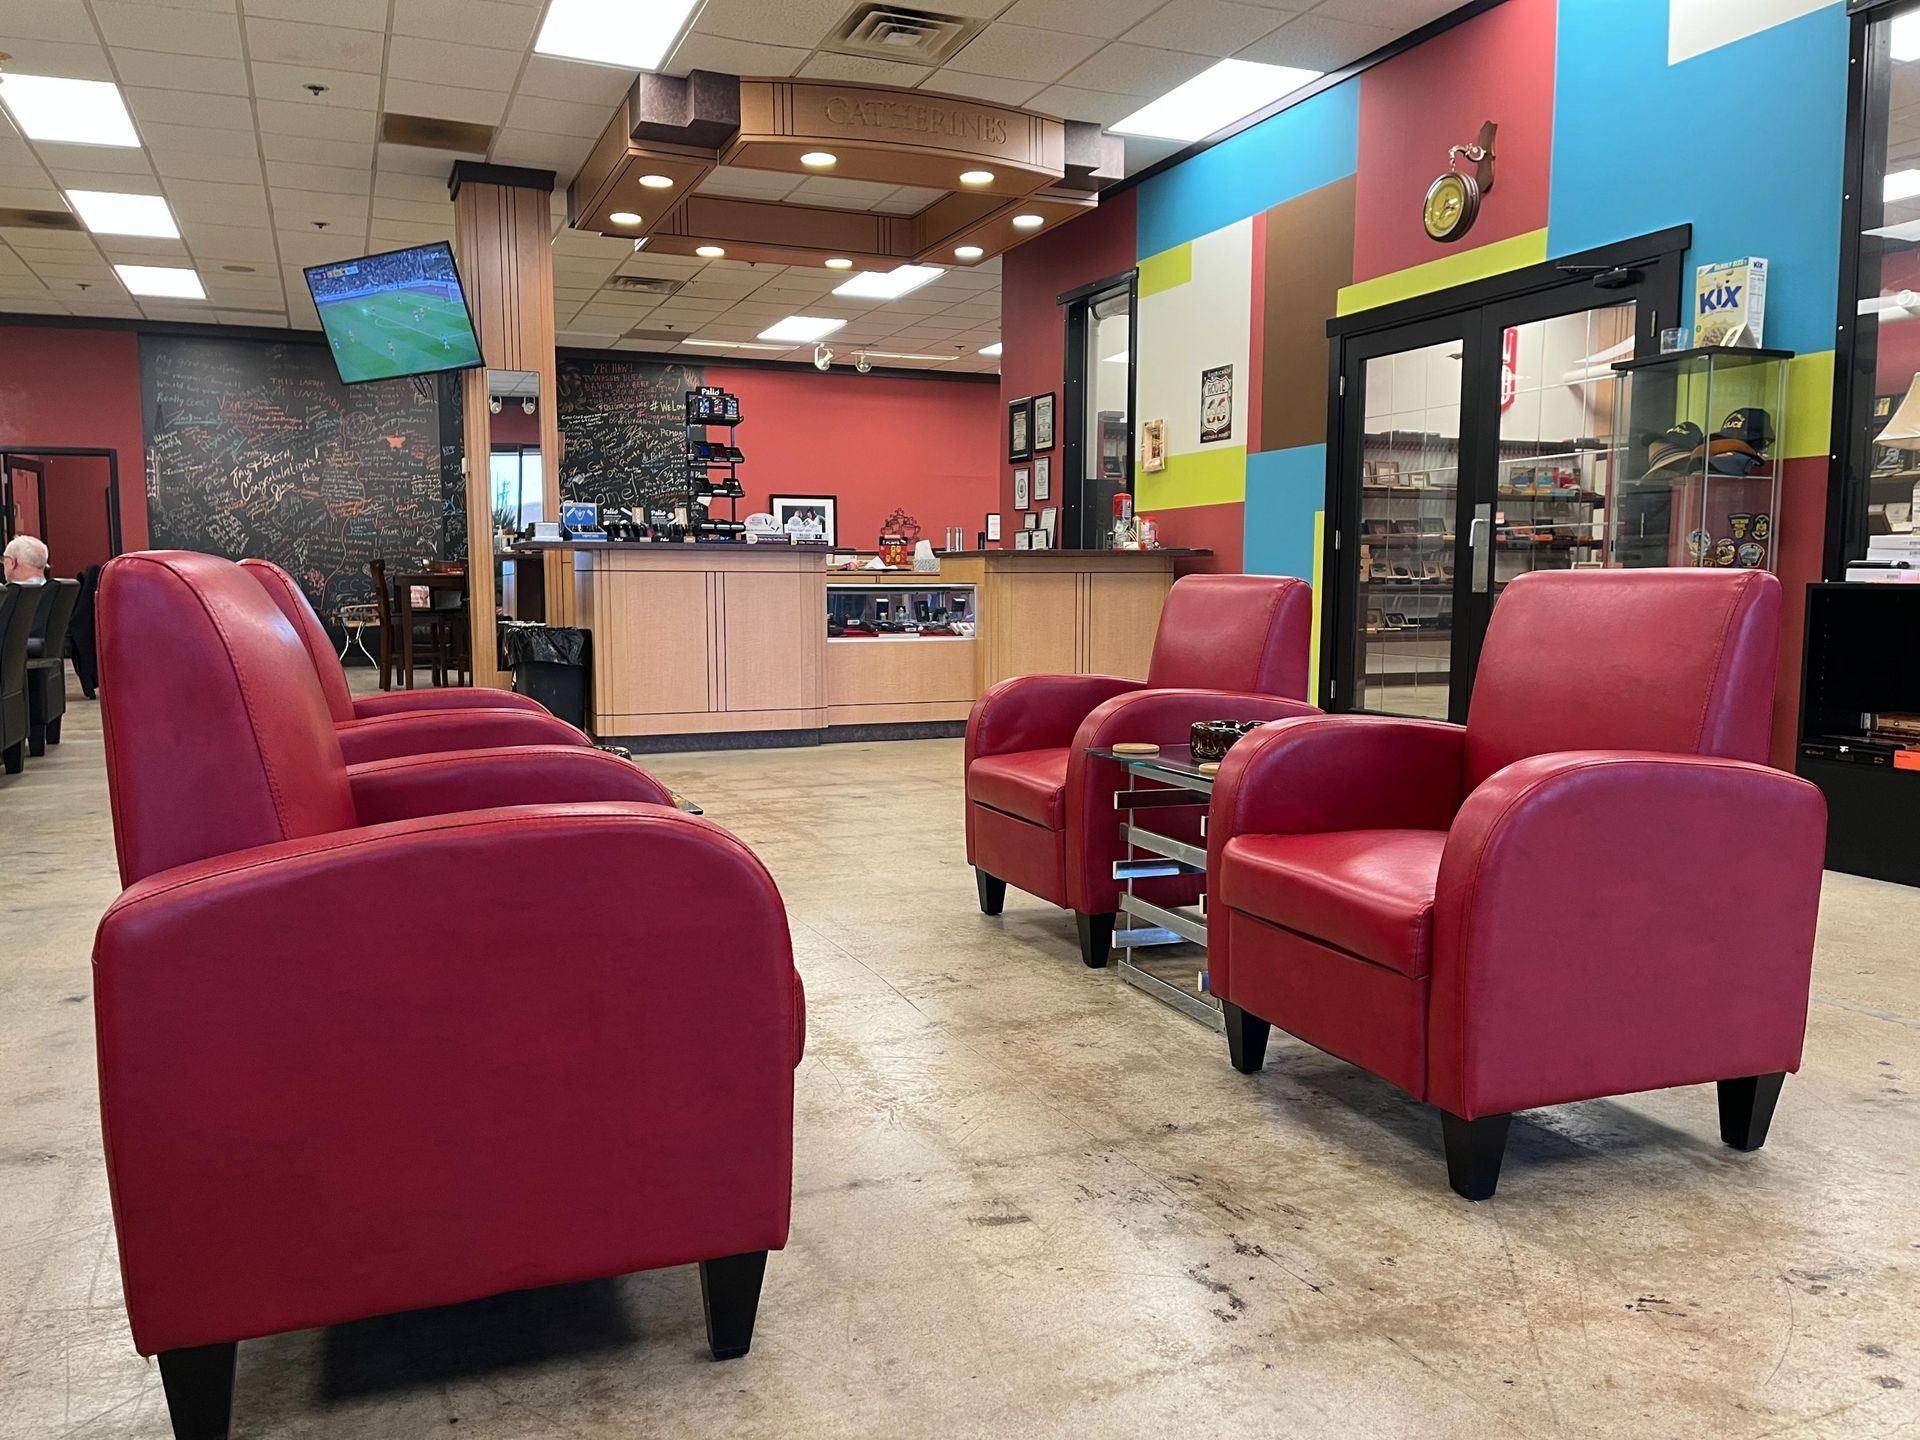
993 525
1032 519
1043 422
807 519
1042 472
1020 429
1023 539
1020 493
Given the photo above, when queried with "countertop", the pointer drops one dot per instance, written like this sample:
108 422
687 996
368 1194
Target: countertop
1170 553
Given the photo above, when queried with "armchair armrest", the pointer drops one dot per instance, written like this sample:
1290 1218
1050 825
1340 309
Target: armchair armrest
384 736
1037 712
414 702
1615 921
315 1114
409 786
1165 717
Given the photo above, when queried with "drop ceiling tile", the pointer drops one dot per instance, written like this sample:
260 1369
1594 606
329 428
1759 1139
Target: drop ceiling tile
319 119
510 27
143 250
862 70
1401 15
96 160
561 154
346 89
800 23
1206 27
990 88
1136 70
170 140
734 57
418 211
558 117
476 67
327 179
276 319
1020 52
174 32
1105 18
329 47
295 211
47 20
53 57
70 178
393 185
447 102
180 107
1071 101
316 150
243 244
413 160
202 74
1317 42
552 79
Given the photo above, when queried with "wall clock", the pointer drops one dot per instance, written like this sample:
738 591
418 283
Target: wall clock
1453 200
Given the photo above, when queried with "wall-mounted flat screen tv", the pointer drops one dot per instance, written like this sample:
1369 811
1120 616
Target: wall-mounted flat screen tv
400 313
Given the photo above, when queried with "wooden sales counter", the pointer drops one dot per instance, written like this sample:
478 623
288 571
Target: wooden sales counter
712 645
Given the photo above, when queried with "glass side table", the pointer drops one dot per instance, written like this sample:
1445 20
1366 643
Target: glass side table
1151 937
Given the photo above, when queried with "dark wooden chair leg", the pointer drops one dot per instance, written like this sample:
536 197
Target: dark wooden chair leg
1746 1109
730 1295
1096 938
53 732
993 892
1246 1038
36 739
199 1386
1475 1149
14 758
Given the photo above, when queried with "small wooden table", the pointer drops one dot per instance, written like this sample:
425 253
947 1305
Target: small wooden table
437 582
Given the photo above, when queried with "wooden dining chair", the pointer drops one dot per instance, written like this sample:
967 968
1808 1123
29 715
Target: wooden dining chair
429 630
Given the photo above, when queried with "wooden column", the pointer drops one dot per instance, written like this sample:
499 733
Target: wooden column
503 241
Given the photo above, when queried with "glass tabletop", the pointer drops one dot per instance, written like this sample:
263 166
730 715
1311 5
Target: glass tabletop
1174 760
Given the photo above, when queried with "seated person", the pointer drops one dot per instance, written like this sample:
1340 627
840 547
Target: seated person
26 561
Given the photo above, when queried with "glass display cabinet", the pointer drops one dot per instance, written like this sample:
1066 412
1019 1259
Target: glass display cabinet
1696 458
875 611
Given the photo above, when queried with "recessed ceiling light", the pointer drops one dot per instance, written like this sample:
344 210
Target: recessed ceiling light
1901 185
819 159
624 217
656 182
967 252
174 282
890 284
614 32
801 329
1214 99
839 262
993 349
976 177
109 212
1028 222
732 344
709 252
72 112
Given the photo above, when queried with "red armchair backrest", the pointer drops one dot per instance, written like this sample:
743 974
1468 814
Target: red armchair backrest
282 589
1247 633
1680 661
216 733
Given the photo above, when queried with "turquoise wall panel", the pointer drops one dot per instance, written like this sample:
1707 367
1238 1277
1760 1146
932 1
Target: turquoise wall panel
1285 488
1745 142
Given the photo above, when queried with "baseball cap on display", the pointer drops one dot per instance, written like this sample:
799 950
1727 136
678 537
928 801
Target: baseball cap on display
1752 426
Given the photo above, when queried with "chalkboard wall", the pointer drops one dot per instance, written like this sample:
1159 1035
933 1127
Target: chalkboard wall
624 426
257 449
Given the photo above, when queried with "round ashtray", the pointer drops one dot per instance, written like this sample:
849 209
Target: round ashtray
1211 739
1136 747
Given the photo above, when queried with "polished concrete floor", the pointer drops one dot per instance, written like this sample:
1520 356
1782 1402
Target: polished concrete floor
1032 1202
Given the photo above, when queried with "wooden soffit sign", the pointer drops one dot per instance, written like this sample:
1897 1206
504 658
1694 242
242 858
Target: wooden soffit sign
977 175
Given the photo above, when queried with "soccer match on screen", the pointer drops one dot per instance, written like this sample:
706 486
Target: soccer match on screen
401 313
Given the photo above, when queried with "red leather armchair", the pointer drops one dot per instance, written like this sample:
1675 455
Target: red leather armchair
409 722
1040 812
1594 887
313 1113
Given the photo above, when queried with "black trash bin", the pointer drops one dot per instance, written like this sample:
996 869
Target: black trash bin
551 664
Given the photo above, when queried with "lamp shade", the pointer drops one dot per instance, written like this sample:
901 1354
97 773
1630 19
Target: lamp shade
1903 429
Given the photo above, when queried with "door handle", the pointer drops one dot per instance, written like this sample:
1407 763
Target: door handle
1479 534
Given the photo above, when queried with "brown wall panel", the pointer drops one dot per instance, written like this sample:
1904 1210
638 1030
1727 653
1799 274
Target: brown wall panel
1309 258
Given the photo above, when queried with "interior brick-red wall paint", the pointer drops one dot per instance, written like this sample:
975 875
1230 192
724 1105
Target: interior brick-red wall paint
1033 328
79 388
75 525
1497 66
876 442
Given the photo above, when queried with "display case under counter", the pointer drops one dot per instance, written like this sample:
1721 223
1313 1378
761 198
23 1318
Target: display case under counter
706 646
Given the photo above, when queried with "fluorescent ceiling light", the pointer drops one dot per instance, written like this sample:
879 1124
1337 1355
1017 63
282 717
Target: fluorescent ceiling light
108 212
993 349
72 112
802 329
173 282
901 355
1901 185
632 34
890 285
1214 99
733 345
1905 44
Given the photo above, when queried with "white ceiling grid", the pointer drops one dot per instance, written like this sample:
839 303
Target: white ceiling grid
265 177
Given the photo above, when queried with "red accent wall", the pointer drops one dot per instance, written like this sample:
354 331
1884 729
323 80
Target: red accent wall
75 525
1497 66
78 388
1033 329
877 443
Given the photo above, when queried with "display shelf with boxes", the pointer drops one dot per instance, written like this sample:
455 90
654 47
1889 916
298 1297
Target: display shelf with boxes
897 610
1696 458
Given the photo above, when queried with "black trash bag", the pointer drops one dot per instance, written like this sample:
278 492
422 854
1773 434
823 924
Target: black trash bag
550 664
545 645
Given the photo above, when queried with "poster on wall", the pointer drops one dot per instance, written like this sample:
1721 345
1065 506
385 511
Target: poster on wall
807 519
1216 404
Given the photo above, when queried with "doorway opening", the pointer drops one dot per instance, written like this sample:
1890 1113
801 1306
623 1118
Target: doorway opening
69 497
